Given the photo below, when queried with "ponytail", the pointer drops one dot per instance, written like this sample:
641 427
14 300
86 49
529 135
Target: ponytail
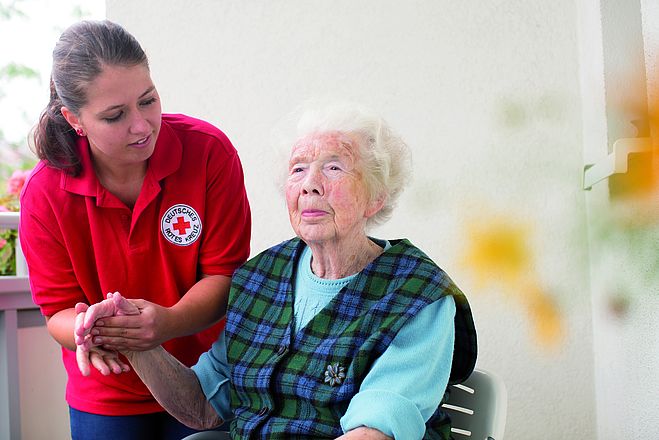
54 139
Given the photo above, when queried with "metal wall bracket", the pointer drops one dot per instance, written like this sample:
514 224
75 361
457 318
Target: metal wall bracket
616 162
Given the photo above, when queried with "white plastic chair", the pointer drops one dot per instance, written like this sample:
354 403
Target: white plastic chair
477 407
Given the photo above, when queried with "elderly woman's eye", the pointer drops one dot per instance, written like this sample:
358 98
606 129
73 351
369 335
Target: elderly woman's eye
335 168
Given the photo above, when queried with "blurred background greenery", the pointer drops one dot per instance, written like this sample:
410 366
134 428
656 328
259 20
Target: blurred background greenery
28 30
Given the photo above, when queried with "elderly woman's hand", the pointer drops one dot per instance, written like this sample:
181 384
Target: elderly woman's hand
105 361
87 316
364 433
145 327
87 354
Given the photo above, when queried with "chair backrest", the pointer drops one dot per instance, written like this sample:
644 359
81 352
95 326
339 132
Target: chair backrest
209 435
477 407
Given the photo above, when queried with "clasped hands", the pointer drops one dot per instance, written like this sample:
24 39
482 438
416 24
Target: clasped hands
112 326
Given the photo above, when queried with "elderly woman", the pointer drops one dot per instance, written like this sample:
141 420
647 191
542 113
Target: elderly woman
333 333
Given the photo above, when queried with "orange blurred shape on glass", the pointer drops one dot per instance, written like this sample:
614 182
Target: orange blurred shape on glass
545 316
498 250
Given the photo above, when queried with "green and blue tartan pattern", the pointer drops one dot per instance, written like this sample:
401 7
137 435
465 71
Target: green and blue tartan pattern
278 388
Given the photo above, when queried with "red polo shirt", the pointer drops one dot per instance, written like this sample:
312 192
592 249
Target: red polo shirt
192 217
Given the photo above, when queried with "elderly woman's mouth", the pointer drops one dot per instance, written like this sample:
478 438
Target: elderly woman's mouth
313 213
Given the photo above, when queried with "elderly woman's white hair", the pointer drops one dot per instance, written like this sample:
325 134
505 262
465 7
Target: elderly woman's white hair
385 158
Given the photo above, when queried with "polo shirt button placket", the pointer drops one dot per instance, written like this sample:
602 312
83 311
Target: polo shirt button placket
125 221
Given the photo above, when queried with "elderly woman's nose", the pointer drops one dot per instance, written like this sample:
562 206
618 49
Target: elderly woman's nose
312 183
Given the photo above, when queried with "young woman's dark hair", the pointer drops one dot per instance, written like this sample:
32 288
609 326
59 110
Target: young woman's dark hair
78 58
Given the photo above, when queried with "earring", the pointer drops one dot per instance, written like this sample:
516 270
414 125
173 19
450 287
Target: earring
79 132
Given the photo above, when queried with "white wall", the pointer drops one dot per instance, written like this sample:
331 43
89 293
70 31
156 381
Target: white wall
487 95
44 412
626 346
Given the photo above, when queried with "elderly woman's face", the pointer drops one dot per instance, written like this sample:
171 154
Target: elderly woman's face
326 196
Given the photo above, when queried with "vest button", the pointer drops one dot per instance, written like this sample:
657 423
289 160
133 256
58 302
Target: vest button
263 411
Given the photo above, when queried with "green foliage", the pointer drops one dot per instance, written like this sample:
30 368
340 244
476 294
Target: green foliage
78 12
15 70
8 251
10 9
8 238
13 154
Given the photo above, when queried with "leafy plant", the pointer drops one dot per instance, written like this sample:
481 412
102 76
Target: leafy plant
8 252
9 202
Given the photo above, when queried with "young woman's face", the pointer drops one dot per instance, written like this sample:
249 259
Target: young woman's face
122 116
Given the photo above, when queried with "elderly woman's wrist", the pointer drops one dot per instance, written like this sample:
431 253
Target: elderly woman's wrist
136 355
128 354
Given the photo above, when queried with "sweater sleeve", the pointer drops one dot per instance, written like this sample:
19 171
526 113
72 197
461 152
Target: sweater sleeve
407 382
213 372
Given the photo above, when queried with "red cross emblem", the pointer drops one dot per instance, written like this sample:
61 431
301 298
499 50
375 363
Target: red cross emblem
181 225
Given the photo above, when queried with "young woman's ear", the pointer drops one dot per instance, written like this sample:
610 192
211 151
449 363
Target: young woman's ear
73 120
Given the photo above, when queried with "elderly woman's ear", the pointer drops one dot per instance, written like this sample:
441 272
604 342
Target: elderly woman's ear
375 205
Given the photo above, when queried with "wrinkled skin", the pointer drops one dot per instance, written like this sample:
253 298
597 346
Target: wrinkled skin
89 354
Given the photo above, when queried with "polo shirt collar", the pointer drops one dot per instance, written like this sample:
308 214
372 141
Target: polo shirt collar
86 183
165 160
168 153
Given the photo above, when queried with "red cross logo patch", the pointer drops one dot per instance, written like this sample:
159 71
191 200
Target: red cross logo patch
181 225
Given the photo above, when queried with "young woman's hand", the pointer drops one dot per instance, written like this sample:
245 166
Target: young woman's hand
87 316
90 354
145 327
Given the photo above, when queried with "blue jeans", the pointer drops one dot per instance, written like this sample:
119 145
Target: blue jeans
156 426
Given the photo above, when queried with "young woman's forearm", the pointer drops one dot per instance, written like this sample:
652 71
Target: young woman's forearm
60 326
201 306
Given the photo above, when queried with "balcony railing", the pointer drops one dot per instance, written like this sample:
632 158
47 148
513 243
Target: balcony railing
16 311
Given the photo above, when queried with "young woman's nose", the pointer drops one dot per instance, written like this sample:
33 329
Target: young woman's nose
139 124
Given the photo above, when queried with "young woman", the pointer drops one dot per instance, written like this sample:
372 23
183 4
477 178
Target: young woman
127 199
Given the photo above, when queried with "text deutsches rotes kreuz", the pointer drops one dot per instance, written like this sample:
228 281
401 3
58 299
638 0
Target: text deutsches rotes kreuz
181 225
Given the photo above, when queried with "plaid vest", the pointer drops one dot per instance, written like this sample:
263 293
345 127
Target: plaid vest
290 383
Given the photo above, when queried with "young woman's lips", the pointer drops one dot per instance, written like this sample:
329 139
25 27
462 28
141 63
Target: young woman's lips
141 143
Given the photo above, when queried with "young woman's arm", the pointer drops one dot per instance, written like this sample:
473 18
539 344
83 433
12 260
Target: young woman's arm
202 306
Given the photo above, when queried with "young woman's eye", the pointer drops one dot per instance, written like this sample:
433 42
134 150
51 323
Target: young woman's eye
112 119
148 101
